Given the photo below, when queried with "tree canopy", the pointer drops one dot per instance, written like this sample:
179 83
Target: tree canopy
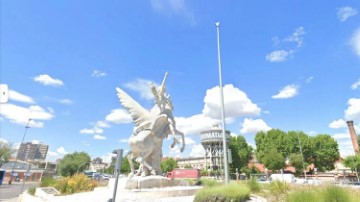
5 152
322 150
353 162
71 163
240 152
168 165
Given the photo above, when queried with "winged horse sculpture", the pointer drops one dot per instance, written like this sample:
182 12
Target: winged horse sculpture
151 128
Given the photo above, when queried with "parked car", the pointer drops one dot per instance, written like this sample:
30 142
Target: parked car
289 178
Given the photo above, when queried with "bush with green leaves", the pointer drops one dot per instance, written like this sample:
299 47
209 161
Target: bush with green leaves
231 192
304 195
76 183
32 191
328 193
278 187
253 185
48 182
207 182
335 194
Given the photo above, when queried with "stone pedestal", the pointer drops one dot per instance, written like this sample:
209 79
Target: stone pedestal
153 182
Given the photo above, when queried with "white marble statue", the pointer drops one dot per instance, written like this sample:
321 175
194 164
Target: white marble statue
152 127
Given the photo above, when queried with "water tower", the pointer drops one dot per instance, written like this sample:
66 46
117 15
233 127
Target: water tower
212 142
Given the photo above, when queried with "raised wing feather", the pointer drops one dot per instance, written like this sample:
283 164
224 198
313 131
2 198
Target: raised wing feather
138 113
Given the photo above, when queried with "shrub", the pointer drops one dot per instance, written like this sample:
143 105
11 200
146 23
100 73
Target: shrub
253 185
304 195
335 194
207 182
32 191
231 192
48 182
75 183
277 187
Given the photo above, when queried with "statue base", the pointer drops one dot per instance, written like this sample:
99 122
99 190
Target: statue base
139 182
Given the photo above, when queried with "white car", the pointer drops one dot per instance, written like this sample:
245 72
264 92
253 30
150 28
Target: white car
286 177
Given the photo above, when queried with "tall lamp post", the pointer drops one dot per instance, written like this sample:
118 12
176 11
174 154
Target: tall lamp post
302 157
16 158
226 173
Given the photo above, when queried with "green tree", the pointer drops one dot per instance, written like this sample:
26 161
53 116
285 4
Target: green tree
274 160
326 152
249 171
353 162
272 139
188 166
168 165
5 152
240 152
71 163
296 160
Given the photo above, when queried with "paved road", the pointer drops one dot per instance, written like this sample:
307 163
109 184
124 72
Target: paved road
13 190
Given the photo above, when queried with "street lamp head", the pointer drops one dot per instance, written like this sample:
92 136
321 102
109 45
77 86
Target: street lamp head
217 24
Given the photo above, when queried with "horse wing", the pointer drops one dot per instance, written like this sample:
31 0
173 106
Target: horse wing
160 126
137 112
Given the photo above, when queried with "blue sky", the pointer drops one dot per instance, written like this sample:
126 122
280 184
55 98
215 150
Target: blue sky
287 65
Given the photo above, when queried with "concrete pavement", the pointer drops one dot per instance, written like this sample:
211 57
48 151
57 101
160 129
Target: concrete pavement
11 192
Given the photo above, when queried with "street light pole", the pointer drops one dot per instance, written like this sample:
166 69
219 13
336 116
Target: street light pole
302 156
226 171
16 158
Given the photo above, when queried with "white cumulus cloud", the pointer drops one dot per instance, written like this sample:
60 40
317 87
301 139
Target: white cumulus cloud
118 116
141 86
340 136
288 91
48 80
346 12
124 140
253 126
16 96
189 141
297 36
353 110
356 85
340 123
52 154
107 157
66 101
278 56
61 150
355 42
97 73
21 115
282 55
102 124
99 137
195 124
345 147
94 130
197 150
236 103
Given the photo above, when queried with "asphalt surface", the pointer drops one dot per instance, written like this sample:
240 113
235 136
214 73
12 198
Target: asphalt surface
12 191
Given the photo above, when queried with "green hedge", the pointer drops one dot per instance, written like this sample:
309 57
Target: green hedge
223 193
329 193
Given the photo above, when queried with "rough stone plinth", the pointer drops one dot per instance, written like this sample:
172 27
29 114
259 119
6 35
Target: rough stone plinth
153 182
